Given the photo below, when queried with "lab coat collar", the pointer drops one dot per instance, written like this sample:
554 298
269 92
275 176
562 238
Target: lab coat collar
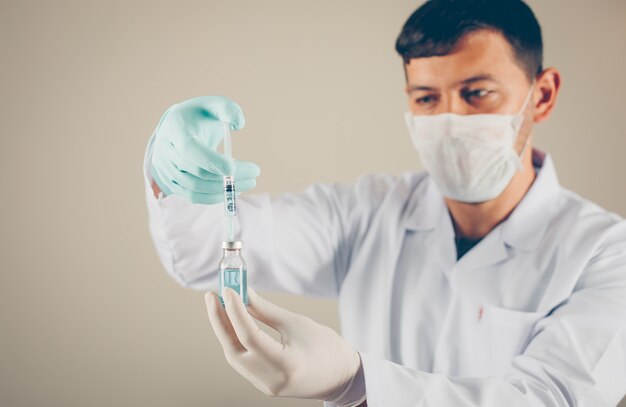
426 206
528 222
525 226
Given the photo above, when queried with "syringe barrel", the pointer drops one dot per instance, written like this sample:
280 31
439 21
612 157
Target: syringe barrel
230 205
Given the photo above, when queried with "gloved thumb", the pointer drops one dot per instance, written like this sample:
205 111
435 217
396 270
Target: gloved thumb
219 108
269 313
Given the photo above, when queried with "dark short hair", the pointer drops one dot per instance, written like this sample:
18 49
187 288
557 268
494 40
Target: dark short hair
438 25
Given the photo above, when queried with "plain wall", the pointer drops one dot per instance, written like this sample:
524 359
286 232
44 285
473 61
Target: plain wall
88 315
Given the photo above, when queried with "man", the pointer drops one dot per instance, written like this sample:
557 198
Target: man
480 282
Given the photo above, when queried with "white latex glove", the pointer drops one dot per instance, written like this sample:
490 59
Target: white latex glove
311 360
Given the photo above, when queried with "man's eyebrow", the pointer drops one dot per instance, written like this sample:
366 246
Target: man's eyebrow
468 81
478 78
413 88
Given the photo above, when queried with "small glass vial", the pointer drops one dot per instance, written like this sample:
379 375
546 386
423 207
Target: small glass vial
233 271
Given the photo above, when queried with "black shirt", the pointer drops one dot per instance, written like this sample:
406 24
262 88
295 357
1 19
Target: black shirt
464 245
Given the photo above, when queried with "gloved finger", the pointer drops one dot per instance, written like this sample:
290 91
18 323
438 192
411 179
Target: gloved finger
192 185
269 313
189 181
201 155
217 107
205 198
196 197
242 169
221 325
249 334
201 173
185 140
208 132
184 164
246 170
244 185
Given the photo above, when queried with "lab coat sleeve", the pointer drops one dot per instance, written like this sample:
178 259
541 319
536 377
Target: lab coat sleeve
576 357
293 242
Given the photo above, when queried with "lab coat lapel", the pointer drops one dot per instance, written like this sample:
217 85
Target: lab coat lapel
526 225
491 250
428 213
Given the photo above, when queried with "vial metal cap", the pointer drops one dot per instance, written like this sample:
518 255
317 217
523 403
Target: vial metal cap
232 245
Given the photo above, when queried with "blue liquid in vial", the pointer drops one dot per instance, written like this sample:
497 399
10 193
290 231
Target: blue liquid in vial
237 280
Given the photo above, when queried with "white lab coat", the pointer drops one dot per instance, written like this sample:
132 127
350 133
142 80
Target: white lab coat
534 315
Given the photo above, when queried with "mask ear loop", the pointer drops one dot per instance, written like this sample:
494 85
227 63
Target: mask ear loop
519 120
519 117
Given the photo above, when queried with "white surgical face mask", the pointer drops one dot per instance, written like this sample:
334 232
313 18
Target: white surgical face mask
471 157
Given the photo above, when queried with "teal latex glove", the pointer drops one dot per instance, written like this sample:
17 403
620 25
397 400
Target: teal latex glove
185 160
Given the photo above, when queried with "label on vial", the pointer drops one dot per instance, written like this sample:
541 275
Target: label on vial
229 196
237 280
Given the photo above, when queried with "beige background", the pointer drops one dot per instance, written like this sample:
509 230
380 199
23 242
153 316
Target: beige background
88 316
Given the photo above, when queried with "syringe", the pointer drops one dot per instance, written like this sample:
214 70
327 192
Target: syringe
230 206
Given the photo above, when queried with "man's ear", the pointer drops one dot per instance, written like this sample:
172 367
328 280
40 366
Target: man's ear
546 90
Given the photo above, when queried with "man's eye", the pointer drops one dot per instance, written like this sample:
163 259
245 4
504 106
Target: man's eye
476 94
426 100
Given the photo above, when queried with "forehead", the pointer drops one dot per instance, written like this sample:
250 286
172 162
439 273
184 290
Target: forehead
478 53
